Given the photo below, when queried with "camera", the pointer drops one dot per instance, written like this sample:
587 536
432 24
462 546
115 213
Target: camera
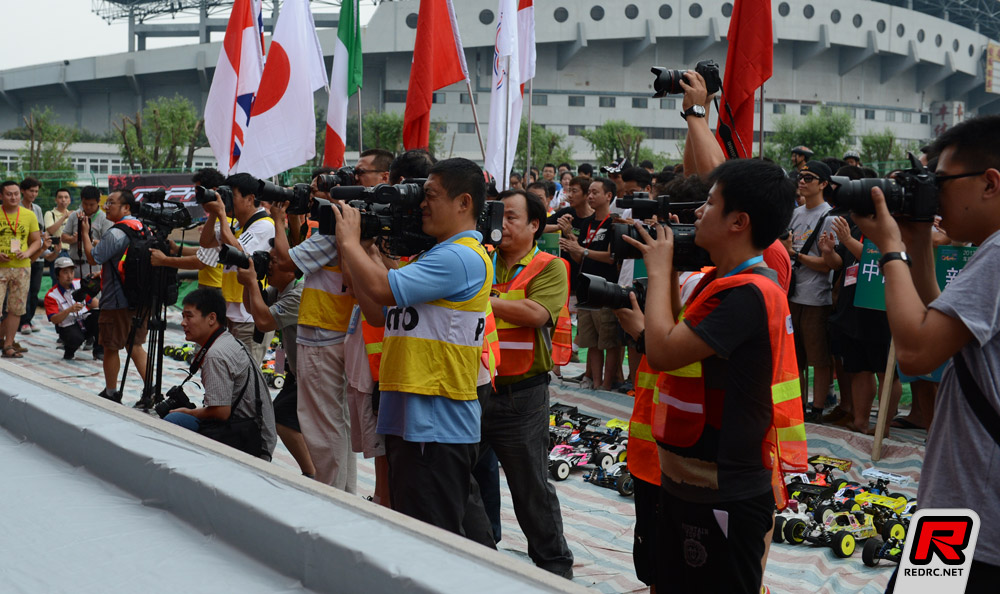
165 216
342 177
204 195
90 286
667 82
687 255
912 195
297 197
230 256
176 398
643 207
593 292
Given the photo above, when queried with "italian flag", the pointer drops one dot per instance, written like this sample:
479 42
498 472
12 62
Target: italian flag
345 80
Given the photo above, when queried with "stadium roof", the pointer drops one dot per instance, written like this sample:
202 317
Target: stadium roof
979 15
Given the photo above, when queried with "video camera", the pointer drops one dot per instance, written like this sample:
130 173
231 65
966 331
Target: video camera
342 177
298 197
643 207
687 255
593 292
163 215
230 256
912 195
204 195
90 286
392 214
667 81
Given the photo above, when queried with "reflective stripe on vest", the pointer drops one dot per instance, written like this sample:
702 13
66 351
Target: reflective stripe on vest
232 290
491 345
436 348
325 300
679 413
517 344
643 460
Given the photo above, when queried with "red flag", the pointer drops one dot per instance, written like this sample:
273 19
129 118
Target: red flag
438 61
748 65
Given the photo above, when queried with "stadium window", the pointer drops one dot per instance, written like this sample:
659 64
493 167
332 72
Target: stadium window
869 114
466 128
394 96
890 115
577 101
778 108
606 101
640 103
907 117
464 98
539 99
576 129
668 103
439 98
924 118
805 110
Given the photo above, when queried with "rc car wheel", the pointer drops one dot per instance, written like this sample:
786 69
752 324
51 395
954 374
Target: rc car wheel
839 483
850 505
794 531
278 381
869 554
823 512
894 529
626 486
560 471
188 357
844 544
623 456
605 461
779 524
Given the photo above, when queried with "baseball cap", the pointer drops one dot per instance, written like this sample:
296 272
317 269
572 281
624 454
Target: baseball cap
819 169
616 166
63 262
803 150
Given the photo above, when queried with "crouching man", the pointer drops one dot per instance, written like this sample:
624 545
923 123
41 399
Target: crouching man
234 386
76 321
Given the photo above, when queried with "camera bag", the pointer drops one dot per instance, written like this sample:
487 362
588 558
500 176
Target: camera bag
805 250
242 433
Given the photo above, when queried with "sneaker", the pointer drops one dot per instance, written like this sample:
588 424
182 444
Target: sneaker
113 396
88 344
98 355
25 328
59 343
587 383
34 328
814 415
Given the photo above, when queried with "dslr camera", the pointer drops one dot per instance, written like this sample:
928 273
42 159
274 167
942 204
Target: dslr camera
687 255
342 177
667 81
911 196
298 197
593 292
176 398
230 256
90 286
204 195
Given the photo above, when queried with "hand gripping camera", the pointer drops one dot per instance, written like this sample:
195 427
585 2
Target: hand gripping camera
912 195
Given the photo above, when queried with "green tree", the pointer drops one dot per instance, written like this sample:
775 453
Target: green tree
615 139
546 147
825 131
877 147
164 136
44 155
385 130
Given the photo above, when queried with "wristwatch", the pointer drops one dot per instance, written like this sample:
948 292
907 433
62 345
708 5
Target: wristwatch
795 256
586 253
889 257
697 111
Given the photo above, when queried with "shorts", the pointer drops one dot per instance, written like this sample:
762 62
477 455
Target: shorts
114 326
812 338
597 329
14 286
364 439
644 550
864 356
285 404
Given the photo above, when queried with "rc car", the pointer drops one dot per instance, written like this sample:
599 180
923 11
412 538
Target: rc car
876 549
841 531
564 457
617 477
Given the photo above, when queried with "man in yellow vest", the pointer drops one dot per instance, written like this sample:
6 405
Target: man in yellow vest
255 233
530 288
727 414
432 351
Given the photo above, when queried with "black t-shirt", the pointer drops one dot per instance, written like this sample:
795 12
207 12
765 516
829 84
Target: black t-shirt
596 237
579 225
857 323
727 457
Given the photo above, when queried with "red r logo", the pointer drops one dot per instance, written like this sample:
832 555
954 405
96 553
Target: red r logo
944 536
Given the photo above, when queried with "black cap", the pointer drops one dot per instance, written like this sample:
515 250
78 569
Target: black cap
819 169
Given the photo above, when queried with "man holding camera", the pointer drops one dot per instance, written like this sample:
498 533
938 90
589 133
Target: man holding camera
256 231
90 209
75 320
960 324
530 289
235 392
116 321
728 386
432 351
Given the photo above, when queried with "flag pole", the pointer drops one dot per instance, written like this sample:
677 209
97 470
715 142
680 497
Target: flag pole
527 166
359 120
502 184
475 118
761 138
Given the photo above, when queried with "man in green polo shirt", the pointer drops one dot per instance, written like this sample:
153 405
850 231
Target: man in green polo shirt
19 240
530 288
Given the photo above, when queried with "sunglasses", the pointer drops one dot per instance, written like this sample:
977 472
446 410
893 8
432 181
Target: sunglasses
808 178
360 171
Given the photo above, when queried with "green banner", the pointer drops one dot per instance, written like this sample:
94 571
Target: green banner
549 242
949 260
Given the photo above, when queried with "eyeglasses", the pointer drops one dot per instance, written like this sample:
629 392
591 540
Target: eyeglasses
808 178
940 179
360 171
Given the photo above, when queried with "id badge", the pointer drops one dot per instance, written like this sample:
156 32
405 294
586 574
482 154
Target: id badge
355 317
15 246
851 275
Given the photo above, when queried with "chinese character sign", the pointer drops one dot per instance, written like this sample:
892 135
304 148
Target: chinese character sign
948 262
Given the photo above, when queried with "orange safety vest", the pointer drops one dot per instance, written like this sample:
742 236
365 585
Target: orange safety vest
491 345
643 460
373 336
517 343
679 407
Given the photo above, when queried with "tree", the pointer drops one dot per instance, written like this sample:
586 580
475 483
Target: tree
825 132
164 136
385 130
546 147
44 156
615 139
882 151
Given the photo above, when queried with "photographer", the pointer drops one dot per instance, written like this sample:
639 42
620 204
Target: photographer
90 209
235 392
960 324
75 320
256 230
116 320
432 351
732 351
277 308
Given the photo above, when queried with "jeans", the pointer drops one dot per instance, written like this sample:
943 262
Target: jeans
516 426
183 420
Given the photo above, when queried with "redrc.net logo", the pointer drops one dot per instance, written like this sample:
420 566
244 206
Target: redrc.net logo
938 554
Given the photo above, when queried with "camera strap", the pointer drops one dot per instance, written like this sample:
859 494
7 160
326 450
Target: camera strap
726 131
260 214
200 355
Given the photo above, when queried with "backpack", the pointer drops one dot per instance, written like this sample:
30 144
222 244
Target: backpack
141 282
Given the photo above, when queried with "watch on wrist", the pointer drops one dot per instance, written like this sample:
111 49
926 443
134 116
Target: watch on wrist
697 111
586 253
795 256
890 256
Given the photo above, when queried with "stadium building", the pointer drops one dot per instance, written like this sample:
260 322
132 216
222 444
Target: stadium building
912 66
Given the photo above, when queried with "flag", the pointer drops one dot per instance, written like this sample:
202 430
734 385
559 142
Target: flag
505 96
282 129
748 66
345 80
258 11
526 40
438 61
237 76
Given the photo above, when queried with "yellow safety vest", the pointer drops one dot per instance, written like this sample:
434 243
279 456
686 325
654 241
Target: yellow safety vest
232 290
325 301
435 348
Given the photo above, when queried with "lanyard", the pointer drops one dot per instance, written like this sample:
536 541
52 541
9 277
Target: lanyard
519 267
747 264
590 239
198 358
17 221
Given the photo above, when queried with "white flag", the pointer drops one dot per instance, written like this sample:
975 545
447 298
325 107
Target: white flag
505 97
282 129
